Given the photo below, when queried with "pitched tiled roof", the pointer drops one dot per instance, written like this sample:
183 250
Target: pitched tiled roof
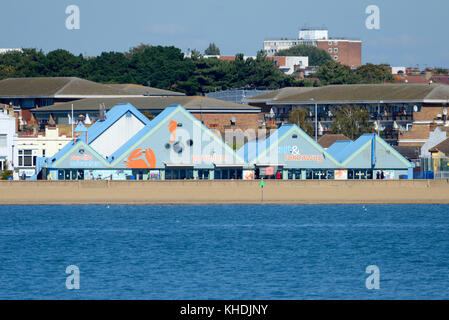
57 87
150 103
277 94
409 152
356 93
328 139
442 147
143 90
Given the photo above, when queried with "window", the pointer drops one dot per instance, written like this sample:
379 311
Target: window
228 173
26 158
178 173
294 174
336 43
203 174
330 50
330 43
3 141
335 57
336 50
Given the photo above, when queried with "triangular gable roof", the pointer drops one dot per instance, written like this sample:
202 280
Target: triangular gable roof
338 147
156 123
112 116
142 133
65 152
276 138
364 141
255 148
441 147
354 148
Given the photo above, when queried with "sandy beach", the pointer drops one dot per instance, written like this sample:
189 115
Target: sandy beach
224 192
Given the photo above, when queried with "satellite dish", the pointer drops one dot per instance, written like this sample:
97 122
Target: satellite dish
415 108
445 111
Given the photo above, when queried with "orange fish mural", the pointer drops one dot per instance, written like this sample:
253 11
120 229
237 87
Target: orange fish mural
141 159
172 127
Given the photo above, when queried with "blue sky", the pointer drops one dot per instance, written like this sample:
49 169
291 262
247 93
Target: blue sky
412 32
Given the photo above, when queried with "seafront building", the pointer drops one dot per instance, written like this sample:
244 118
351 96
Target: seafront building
176 145
8 137
404 113
35 145
290 153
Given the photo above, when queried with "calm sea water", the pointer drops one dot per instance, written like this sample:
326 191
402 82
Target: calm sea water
224 251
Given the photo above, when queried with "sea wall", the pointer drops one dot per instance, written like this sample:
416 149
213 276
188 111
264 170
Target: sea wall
226 191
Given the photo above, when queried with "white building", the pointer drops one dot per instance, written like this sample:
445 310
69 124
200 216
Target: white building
397 70
6 50
313 34
8 136
435 137
33 146
305 36
288 64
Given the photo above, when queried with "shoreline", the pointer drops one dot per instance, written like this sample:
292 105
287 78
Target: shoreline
206 192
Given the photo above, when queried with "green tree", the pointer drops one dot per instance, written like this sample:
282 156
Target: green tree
161 66
372 73
28 63
108 67
212 50
299 116
195 55
62 63
317 56
335 73
158 66
352 121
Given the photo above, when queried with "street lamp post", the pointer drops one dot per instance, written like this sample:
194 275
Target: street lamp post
12 157
316 118
378 119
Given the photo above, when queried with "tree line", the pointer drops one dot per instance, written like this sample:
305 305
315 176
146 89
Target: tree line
168 68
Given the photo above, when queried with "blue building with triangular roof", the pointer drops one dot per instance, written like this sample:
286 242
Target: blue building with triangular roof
126 145
289 153
176 145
